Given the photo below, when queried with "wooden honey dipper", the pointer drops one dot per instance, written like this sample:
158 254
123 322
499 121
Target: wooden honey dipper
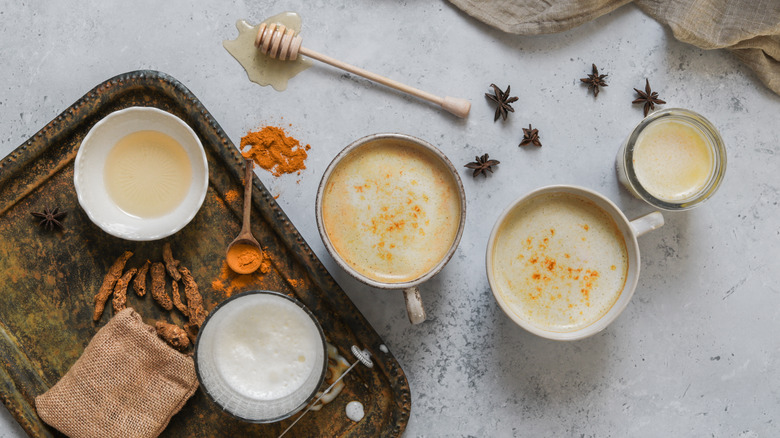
279 42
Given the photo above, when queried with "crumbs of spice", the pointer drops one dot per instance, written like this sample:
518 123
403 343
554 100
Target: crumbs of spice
232 196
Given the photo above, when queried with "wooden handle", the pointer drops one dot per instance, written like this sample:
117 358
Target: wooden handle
456 106
248 164
278 42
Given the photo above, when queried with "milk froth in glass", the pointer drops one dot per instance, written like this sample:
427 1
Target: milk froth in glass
560 262
261 355
391 210
674 159
266 350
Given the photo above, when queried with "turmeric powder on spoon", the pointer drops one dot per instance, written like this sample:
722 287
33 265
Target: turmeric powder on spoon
246 258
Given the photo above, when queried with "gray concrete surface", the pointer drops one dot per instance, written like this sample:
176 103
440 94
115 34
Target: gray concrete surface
696 353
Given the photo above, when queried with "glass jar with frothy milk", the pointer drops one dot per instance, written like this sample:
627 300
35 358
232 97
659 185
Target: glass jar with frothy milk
674 159
261 356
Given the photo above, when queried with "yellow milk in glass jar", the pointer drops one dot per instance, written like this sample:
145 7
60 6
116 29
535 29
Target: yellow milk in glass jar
674 159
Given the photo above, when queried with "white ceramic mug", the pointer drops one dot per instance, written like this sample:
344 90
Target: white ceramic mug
629 230
414 305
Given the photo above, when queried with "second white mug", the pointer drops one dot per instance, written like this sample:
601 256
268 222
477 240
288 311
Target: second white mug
563 261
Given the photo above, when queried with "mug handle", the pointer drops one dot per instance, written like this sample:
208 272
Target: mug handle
414 305
647 223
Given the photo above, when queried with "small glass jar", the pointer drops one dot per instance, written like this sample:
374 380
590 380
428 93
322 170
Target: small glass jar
659 167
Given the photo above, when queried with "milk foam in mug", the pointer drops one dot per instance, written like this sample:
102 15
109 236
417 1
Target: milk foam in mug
560 262
563 261
391 210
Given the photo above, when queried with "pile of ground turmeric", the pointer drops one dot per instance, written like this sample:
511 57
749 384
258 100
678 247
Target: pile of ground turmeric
271 149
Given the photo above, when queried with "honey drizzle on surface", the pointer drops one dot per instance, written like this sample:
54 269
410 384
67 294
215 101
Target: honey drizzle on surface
260 68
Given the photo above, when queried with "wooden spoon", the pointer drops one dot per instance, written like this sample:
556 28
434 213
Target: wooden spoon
244 254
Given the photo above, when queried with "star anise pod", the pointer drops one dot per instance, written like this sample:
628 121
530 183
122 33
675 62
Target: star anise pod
482 165
530 136
50 218
595 81
649 98
503 100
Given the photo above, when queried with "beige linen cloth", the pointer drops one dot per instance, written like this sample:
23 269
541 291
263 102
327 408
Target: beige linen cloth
127 383
748 28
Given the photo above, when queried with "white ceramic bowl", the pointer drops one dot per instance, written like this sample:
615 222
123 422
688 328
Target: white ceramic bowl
90 164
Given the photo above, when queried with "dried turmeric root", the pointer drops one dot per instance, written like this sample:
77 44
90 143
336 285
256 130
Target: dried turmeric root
171 264
174 335
177 298
158 286
139 283
114 272
192 331
195 310
120 290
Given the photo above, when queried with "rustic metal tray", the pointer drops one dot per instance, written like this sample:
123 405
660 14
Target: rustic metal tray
48 279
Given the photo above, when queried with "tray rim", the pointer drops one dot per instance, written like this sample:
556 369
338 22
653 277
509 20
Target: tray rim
15 162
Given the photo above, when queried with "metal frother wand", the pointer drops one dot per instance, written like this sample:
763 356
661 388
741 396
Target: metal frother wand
363 356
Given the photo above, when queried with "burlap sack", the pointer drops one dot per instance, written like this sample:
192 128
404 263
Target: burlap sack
748 28
127 383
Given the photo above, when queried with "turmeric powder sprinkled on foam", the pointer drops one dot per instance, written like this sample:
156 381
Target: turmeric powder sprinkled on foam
274 151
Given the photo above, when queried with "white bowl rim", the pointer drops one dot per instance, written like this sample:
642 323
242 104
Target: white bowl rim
140 236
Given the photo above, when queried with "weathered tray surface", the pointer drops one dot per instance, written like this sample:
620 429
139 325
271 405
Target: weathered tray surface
48 279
